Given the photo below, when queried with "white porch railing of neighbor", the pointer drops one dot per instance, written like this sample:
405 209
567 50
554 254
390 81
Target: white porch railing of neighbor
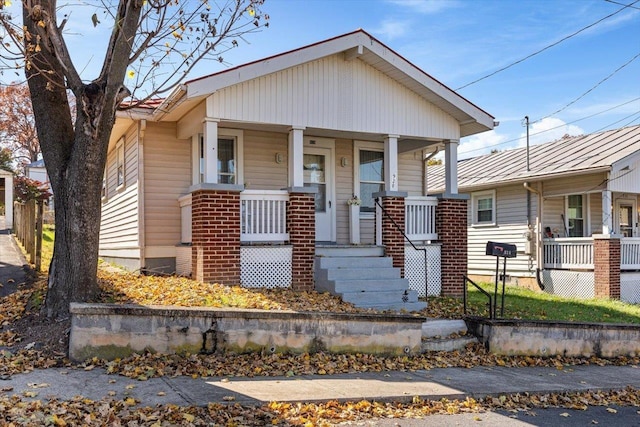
571 252
420 217
630 253
263 216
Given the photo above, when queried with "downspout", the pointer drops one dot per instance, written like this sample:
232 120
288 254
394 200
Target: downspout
424 170
141 234
538 234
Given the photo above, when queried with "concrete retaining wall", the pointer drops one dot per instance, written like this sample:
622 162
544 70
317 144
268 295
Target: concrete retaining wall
109 331
546 338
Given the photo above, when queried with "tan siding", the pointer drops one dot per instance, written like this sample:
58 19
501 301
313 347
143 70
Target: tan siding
119 227
511 227
575 184
595 207
367 231
167 171
317 93
552 215
344 188
261 172
410 177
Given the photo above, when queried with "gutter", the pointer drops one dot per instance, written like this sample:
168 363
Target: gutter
175 98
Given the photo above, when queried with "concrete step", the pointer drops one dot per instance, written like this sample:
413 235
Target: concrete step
349 251
397 306
367 299
448 344
353 262
443 327
358 273
360 285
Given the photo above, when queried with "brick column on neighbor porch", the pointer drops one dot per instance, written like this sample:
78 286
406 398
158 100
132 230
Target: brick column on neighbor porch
451 226
301 223
215 222
606 265
392 239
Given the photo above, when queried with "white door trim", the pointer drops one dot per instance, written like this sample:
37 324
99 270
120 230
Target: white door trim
616 216
329 146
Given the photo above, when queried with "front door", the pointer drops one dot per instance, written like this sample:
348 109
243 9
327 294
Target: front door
318 173
625 217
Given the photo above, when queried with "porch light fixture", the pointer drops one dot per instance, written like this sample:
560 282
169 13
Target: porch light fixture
344 162
278 158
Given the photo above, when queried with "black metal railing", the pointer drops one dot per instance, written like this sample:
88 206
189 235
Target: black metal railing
423 250
466 280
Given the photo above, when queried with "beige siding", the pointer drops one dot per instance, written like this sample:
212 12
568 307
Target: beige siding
575 184
410 173
595 210
119 227
552 215
344 188
331 93
167 174
511 227
261 172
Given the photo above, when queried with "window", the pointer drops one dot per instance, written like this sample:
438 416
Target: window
370 176
229 157
484 208
120 164
575 215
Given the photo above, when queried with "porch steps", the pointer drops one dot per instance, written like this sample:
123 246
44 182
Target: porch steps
445 335
365 278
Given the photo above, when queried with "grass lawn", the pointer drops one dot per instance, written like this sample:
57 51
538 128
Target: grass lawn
520 303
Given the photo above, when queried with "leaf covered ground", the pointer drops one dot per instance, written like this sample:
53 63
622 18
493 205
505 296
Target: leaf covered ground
23 350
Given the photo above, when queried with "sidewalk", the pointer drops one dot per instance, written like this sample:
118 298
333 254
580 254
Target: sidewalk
452 383
11 262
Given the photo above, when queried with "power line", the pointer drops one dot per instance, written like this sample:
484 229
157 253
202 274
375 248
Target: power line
557 127
590 90
548 47
622 4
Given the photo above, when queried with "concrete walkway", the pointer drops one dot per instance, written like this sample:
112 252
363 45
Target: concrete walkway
452 383
11 262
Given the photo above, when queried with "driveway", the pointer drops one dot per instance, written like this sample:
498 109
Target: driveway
12 261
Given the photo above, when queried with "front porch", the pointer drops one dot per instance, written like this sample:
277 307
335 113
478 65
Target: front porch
267 238
573 267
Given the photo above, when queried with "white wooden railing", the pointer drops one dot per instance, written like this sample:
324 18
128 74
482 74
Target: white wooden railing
420 217
263 216
630 253
572 252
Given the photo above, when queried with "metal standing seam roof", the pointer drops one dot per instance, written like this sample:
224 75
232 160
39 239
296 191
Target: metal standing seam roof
578 154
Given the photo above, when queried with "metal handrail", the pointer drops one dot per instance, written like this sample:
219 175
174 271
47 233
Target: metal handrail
487 294
424 250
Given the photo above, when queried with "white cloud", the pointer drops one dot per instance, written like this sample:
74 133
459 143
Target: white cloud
547 130
391 29
482 143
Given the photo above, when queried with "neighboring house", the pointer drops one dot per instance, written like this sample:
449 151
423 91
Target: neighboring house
571 214
6 197
37 171
241 175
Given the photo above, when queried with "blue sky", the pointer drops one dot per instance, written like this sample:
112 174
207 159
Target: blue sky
459 41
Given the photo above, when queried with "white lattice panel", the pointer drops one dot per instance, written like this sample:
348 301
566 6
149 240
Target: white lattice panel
183 260
414 269
630 287
571 284
265 266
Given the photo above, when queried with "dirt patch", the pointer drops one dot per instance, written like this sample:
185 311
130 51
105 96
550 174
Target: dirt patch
35 331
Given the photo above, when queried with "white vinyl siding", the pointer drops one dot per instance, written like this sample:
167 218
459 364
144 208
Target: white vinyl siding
167 175
119 220
331 93
511 208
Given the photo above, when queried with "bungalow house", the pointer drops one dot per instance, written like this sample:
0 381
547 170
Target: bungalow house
571 208
267 173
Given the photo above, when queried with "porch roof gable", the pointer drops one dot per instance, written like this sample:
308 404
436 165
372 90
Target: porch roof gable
357 44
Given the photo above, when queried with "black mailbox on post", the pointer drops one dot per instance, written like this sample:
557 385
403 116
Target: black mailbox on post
505 250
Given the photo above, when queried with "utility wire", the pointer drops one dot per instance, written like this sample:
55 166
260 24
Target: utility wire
557 127
589 91
622 4
548 47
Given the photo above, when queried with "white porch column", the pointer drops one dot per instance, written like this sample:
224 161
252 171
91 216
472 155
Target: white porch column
607 213
391 163
451 167
210 132
296 159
